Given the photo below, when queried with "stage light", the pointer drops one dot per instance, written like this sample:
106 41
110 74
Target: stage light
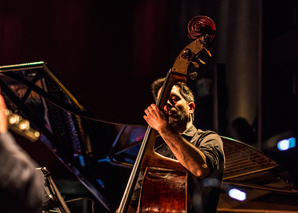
286 144
100 182
237 194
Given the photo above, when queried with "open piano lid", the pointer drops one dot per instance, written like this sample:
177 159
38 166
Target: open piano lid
84 143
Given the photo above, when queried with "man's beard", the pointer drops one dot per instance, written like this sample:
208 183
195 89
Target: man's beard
177 119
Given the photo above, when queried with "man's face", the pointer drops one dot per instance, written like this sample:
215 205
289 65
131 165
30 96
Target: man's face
177 108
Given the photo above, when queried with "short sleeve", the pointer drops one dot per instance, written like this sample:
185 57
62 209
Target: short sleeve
211 145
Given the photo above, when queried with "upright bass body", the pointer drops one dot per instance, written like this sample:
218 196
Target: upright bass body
163 190
164 187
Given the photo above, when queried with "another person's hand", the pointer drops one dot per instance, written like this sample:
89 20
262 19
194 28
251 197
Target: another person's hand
3 117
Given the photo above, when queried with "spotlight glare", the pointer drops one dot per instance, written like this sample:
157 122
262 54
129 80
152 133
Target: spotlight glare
292 142
237 194
286 144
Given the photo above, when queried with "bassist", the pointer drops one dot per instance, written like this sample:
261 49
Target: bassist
200 152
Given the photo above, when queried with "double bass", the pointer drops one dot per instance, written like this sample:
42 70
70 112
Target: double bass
162 174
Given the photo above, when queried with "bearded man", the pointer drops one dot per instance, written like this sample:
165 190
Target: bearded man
200 152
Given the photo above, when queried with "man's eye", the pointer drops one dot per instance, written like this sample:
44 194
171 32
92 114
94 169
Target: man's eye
175 98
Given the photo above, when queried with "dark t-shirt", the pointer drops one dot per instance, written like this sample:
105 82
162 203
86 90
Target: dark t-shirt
203 194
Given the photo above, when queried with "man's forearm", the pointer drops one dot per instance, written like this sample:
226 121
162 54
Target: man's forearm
187 154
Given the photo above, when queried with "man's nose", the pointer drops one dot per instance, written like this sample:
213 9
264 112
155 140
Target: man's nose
168 106
169 102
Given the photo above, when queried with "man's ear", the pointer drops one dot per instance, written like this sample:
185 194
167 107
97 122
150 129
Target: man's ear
191 107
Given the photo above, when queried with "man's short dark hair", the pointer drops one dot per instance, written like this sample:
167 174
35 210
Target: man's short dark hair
185 91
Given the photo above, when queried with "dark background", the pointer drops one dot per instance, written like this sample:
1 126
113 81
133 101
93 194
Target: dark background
109 52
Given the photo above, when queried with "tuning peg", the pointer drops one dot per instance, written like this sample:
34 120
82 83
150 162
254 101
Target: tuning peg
201 61
208 52
24 125
21 126
196 64
193 75
14 119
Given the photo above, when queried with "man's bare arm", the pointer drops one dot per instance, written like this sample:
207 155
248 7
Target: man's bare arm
188 155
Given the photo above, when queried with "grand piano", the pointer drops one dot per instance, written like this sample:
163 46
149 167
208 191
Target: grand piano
99 155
